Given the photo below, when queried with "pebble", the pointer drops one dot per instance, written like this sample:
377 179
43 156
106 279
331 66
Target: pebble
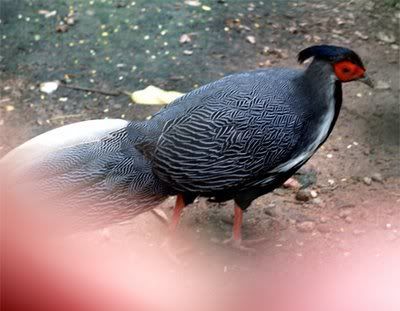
382 85
361 35
318 201
323 228
344 213
377 177
367 181
306 226
303 195
313 194
323 220
385 37
348 219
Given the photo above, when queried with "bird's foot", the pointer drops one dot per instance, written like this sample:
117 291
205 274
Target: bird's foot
243 245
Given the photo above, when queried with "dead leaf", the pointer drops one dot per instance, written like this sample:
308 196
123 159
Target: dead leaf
62 27
47 14
9 108
251 39
192 2
360 35
153 95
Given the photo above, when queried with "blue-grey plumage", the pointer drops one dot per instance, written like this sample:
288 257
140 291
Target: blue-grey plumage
244 135
87 168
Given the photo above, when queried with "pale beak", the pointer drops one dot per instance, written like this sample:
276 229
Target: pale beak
367 80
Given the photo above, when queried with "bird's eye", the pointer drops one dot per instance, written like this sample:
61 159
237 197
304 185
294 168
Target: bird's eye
346 70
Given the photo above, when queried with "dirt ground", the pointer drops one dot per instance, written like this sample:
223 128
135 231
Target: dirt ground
124 45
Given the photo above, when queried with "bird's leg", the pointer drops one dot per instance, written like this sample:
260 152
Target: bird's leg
176 216
236 239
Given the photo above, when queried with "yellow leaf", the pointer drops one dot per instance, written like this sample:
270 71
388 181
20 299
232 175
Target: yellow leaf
153 95
9 108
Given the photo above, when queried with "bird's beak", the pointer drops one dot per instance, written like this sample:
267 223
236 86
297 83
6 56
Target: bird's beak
367 80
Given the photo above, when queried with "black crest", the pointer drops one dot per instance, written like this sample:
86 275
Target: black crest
330 53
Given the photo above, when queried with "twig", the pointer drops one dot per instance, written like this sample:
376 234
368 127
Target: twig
160 215
93 90
66 116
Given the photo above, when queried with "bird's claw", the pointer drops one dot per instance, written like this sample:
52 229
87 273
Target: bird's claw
241 245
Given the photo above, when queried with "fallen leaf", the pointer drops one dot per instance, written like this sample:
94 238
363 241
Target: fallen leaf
192 2
47 14
62 27
49 87
360 35
9 108
153 95
185 38
251 39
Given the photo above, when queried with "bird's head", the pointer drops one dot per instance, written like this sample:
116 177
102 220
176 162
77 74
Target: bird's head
347 65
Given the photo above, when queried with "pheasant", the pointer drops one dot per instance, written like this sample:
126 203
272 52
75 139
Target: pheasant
237 138
245 134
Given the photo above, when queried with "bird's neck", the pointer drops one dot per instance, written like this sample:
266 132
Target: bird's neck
326 92
321 76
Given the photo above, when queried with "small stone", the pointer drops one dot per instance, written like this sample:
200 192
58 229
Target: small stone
344 213
367 181
306 226
270 210
348 219
387 38
188 52
313 194
323 228
323 220
388 226
331 182
318 201
360 35
303 195
358 232
395 47
292 183
382 85
185 39
377 177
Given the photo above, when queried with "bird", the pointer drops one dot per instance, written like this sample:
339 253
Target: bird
236 138
244 135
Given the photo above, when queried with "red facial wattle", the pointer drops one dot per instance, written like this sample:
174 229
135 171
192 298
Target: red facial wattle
347 71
